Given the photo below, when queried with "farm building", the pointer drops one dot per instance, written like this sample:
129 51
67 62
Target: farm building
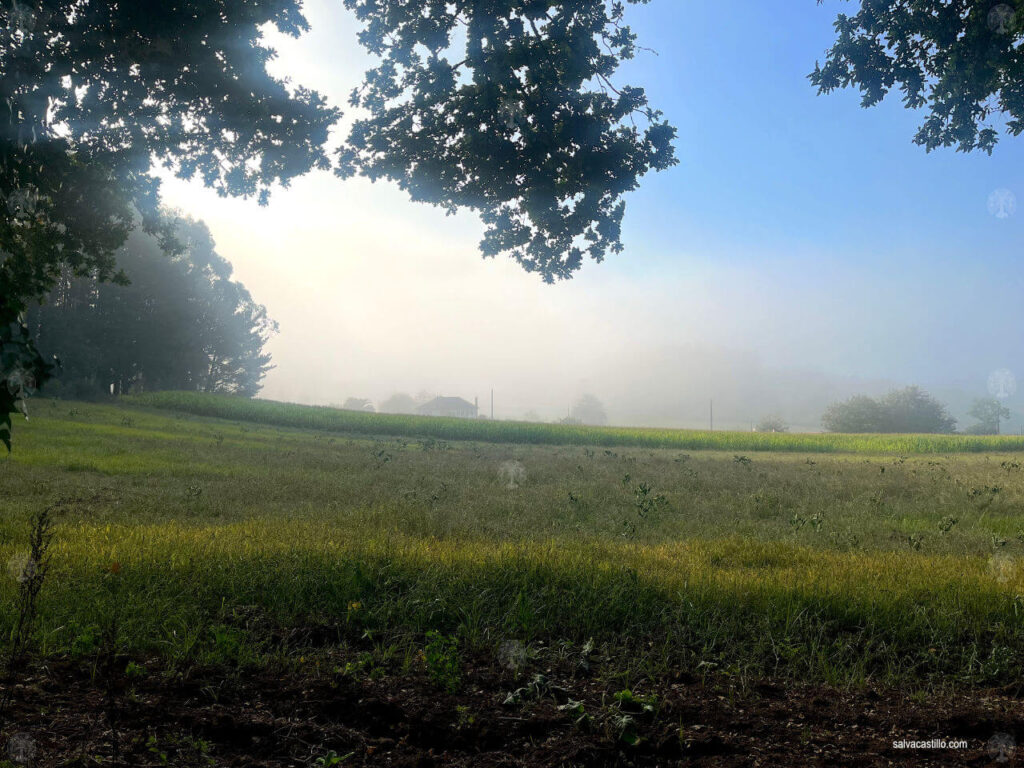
454 407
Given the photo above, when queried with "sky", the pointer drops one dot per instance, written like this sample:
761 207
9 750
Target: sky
803 250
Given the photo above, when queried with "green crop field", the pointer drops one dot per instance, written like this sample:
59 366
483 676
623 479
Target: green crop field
333 419
841 568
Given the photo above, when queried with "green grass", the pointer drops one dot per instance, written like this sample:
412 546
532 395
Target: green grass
336 420
233 534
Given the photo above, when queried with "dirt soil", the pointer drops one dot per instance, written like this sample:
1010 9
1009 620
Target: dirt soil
60 715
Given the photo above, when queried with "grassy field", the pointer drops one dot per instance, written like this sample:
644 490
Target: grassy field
532 433
236 541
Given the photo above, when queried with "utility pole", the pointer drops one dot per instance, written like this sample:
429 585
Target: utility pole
492 405
711 412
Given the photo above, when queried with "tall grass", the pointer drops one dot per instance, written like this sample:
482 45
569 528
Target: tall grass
232 538
763 608
336 420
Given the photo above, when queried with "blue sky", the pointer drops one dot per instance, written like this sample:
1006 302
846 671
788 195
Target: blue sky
766 163
821 196
798 230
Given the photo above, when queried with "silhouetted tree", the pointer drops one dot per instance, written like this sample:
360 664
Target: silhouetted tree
520 123
961 61
92 94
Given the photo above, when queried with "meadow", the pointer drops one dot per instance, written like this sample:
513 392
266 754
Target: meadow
534 433
237 541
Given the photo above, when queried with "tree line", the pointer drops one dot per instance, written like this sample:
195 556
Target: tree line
910 411
177 322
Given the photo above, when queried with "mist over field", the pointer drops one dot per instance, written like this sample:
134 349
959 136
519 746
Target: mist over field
755 340
773 276
519 384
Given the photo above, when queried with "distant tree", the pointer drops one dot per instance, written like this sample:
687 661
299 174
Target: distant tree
989 413
772 424
589 410
858 414
914 411
569 421
910 410
398 403
960 60
181 323
358 404
531 416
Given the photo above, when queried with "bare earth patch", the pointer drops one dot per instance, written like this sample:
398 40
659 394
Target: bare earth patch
262 719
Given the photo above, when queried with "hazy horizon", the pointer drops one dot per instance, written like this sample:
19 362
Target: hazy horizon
775 269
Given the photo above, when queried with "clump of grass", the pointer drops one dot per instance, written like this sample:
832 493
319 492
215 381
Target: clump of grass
107 667
441 657
30 573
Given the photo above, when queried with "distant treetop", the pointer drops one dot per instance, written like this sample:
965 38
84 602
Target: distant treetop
910 410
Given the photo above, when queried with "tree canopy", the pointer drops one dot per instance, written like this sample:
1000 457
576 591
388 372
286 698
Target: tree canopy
508 107
960 60
92 95
524 125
